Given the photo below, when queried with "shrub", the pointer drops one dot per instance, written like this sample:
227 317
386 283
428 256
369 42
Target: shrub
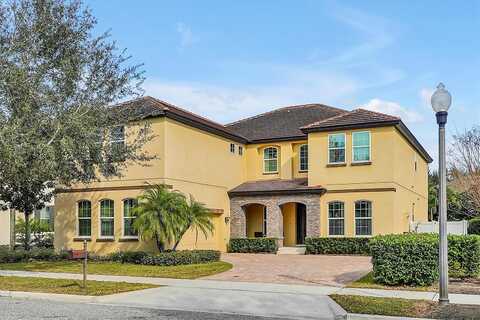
474 226
174 258
253 245
37 254
337 246
412 259
128 256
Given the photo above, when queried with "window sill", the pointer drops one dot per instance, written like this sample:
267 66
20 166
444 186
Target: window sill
81 239
333 165
269 173
132 239
302 171
363 163
105 240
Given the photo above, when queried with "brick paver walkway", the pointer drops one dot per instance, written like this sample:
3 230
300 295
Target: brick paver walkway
295 269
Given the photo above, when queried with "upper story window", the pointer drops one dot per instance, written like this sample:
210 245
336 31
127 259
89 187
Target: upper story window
84 218
363 218
240 150
107 216
117 143
361 146
303 157
336 218
270 160
232 147
336 148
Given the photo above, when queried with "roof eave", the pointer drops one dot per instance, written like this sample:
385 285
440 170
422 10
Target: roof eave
233 194
362 125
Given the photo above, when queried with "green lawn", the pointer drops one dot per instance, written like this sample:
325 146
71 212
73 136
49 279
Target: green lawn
368 282
94 288
406 308
191 271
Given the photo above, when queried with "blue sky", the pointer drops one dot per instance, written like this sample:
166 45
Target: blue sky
227 60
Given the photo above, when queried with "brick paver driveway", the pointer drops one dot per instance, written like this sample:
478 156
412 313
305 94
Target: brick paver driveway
295 269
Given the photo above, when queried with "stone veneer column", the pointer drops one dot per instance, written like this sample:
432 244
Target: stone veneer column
275 221
313 216
238 220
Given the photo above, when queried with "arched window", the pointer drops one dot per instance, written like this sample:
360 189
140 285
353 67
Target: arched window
363 218
107 218
303 157
336 218
129 218
270 160
84 218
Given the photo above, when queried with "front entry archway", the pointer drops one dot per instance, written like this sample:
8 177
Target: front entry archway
294 216
301 223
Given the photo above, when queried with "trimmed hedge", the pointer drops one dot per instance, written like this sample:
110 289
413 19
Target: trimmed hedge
253 245
474 226
337 246
412 259
36 254
170 258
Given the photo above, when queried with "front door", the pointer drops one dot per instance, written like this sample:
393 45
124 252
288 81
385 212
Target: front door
301 223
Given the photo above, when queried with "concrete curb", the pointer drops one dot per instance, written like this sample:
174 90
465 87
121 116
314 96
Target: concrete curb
48 296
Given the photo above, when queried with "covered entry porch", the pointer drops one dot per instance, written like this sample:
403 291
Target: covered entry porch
287 210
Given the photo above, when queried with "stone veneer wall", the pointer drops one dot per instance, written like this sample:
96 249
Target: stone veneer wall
238 220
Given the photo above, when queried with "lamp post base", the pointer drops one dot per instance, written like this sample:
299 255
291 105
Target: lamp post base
443 301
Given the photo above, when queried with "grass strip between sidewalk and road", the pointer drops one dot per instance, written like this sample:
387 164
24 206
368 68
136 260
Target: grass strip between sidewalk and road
191 271
397 307
66 286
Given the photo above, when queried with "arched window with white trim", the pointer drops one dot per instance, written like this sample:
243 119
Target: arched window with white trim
270 160
107 218
363 218
84 213
336 218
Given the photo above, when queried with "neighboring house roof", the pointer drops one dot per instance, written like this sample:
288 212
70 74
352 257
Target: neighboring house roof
288 123
283 123
148 107
275 187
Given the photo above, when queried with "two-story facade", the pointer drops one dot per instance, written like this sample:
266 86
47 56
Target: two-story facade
308 170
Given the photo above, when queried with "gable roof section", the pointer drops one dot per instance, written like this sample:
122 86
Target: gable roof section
361 118
283 123
148 107
275 187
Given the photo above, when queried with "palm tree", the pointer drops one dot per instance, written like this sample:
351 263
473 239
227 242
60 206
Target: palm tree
159 214
194 215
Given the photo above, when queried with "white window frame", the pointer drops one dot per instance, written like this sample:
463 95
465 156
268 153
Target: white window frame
344 147
78 220
369 147
240 150
329 219
232 148
276 159
300 157
362 218
124 218
100 236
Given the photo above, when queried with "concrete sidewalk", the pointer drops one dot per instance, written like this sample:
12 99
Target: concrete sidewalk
256 287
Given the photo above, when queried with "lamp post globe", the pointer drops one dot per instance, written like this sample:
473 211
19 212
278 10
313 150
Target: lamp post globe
441 101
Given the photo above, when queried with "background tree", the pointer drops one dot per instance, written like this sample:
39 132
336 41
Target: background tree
465 168
194 216
57 81
159 214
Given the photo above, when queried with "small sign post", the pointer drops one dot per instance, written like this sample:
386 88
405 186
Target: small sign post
85 257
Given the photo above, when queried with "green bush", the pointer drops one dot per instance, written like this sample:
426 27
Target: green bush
412 259
128 256
337 246
37 254
253 245
474 226
174 258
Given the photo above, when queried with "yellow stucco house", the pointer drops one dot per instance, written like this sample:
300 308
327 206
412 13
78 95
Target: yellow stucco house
294 172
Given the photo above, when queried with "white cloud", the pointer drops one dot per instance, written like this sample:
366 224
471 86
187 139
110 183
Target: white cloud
187 38
394 109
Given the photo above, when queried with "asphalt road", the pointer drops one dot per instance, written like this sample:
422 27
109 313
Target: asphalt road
16 309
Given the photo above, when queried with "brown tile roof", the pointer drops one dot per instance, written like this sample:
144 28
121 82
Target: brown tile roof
283 123
148 107
357 117
276 186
